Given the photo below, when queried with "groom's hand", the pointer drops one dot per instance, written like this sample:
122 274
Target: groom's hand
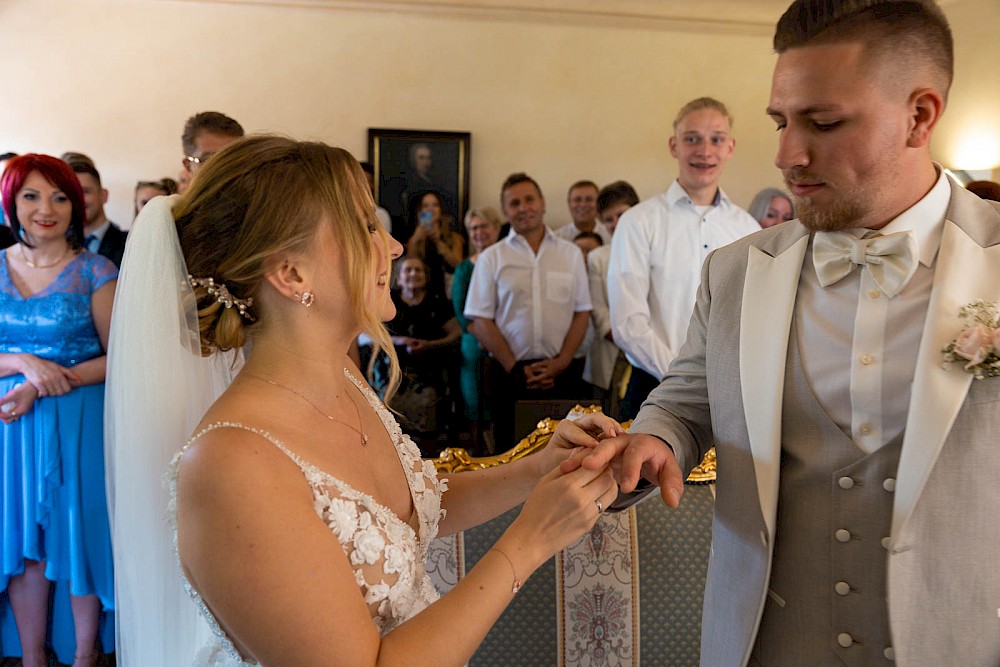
638 455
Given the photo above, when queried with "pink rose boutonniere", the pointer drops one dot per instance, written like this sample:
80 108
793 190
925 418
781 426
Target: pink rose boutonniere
977 347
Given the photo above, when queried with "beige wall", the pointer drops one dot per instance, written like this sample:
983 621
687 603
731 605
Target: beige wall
117 78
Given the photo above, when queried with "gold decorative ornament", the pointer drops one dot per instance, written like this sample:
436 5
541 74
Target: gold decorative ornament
457 459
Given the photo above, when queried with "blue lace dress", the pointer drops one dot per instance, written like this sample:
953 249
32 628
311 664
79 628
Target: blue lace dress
52 495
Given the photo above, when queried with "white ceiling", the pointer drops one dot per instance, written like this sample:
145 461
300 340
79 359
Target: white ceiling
753 16
732 16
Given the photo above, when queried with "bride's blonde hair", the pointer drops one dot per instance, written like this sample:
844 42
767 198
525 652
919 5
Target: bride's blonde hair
265 195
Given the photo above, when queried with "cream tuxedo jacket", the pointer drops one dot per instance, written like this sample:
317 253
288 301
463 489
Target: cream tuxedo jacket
725 389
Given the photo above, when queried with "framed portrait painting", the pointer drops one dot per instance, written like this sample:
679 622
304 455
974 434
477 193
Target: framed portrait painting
410 163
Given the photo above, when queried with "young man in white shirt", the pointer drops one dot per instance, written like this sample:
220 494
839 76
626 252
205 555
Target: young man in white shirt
659 246
529 306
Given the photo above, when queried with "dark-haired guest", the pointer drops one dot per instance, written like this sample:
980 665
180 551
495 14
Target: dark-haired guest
434 240
606 365
55 313
100 235
529 304
6 235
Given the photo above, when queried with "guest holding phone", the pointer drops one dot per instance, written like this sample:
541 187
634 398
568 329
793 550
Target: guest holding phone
434 240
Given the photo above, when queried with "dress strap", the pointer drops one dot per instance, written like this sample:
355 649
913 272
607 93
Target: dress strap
256 431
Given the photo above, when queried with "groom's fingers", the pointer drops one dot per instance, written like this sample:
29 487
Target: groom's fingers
671 481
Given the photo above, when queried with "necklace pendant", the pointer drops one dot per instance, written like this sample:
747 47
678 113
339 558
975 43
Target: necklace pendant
364 439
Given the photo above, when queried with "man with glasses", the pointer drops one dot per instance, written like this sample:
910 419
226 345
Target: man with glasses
205 134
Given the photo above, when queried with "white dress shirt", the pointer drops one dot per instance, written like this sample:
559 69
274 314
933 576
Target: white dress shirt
570 231
656 257
531 298
602 353
859 347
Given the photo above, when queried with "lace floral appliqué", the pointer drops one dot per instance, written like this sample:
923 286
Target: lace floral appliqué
387 554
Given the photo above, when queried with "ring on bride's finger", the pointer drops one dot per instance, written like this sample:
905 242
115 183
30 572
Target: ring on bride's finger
600 507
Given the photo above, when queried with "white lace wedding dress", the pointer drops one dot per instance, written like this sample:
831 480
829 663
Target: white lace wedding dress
387 554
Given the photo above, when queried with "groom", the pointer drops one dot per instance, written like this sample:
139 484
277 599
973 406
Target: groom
857 512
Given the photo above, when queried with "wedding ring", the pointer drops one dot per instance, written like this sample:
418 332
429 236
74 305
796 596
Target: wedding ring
12 413
600 507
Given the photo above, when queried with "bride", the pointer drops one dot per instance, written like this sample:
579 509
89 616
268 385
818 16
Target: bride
303 514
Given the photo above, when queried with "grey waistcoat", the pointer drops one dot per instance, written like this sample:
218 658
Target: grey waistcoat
827 597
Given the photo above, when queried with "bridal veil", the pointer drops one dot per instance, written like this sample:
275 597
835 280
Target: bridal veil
158 388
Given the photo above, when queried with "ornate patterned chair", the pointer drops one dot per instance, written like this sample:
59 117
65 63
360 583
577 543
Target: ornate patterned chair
628 593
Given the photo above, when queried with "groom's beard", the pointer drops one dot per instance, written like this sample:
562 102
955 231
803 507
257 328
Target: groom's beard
842 212
846 200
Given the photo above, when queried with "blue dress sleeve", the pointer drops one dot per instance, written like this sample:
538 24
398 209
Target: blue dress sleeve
101 270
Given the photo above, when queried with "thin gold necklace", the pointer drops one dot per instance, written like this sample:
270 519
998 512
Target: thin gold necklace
43 266
364 436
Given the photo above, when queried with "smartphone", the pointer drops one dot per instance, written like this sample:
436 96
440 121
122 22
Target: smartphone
426 218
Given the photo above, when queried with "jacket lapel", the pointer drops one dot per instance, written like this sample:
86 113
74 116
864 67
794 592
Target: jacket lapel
772 279
967 269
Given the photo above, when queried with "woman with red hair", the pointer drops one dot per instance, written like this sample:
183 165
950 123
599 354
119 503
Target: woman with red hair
55 313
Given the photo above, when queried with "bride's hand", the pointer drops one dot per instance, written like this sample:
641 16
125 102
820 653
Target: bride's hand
569 435
560 509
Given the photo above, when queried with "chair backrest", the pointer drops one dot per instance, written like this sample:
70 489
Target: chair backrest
631 589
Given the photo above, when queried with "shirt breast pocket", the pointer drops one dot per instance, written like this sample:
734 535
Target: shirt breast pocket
558 286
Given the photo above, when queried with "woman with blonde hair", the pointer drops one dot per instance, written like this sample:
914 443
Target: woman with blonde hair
303 514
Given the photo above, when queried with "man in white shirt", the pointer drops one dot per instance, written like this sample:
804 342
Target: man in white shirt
529 306
857 498
582 202
659 247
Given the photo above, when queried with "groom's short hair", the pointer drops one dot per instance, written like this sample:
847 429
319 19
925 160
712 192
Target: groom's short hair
913 33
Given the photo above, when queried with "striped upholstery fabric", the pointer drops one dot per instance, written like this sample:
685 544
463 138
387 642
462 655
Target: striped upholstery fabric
628 593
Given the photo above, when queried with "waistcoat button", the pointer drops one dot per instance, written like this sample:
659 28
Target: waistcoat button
843 535
845 640
846 483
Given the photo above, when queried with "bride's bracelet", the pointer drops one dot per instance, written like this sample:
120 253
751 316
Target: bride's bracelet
517 582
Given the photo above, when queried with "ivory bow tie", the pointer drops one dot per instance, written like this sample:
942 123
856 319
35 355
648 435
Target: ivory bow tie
890 260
